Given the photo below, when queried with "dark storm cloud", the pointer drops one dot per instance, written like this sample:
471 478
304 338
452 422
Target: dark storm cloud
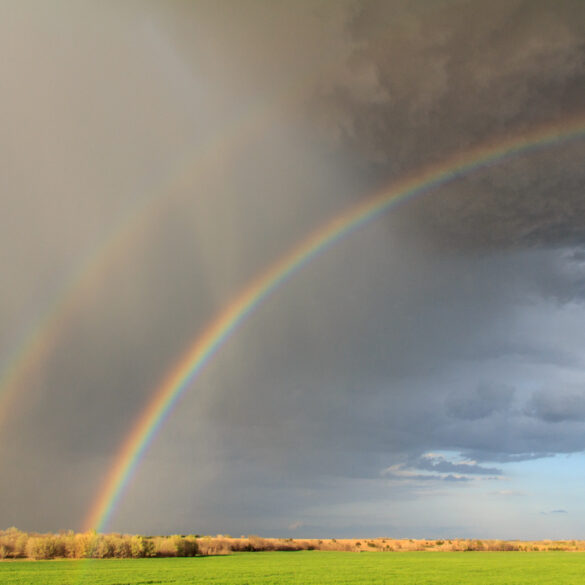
452 75
429 330
375 376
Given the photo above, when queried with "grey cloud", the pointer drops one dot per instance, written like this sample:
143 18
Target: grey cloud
444 466
555 406
406 402
413 477
503 457
455 478
578 255
455 76
482 402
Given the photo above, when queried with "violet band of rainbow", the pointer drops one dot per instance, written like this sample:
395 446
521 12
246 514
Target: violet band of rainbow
207 343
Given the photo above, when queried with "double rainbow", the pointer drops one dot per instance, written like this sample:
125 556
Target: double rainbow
38 340
207 343
232 138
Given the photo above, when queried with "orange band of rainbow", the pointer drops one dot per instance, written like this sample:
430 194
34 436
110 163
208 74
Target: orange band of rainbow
215 334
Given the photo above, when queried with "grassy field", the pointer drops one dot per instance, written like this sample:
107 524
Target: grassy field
310 567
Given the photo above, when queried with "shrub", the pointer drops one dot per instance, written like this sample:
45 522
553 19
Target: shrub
137 547
258 543
216 546
164 547
40 547
186 546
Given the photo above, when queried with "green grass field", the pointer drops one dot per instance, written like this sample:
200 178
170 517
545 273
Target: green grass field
310 567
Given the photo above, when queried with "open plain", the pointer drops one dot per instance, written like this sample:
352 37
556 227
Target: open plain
310 568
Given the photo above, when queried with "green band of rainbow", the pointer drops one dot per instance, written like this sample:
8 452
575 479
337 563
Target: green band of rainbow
59 310
219 329
36 342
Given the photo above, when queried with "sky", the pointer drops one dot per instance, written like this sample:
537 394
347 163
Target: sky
424 376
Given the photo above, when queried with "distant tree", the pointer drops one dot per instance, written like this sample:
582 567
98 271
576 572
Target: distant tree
40 547
137 547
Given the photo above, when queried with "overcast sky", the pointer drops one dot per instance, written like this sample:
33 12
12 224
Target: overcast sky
424 377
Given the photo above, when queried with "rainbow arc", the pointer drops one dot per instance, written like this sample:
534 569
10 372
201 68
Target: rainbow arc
211 339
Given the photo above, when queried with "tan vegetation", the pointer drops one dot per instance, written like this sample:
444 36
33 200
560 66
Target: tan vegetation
15 544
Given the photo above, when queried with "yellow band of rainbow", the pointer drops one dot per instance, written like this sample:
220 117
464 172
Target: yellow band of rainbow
216 333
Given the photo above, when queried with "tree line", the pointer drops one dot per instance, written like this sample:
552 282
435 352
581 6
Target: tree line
16 544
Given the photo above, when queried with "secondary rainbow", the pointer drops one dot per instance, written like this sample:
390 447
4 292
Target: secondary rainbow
44 329
46 324
219 329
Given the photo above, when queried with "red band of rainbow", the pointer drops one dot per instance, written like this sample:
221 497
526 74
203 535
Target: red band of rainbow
217 332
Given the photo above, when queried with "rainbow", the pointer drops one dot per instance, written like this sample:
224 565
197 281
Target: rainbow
40 337
211 339
36 341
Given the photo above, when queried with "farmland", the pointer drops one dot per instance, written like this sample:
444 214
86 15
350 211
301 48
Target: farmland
309 567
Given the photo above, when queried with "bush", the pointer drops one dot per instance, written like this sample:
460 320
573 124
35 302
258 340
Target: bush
186 546
40 547
136 547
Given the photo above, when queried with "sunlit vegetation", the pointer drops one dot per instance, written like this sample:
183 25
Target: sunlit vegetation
16 544
308 568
